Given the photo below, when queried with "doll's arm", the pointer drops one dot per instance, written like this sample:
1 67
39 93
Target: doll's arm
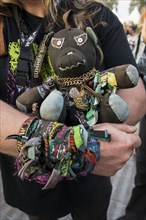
136 100
34 95
129 103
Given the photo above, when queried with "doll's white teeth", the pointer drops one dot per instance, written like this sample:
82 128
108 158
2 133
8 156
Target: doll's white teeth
72 66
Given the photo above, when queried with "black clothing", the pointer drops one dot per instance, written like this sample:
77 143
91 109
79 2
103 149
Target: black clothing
136 208
87 198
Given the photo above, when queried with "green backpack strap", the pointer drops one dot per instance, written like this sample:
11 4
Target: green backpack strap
3 50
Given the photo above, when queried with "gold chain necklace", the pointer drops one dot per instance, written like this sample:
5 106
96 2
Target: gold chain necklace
68 81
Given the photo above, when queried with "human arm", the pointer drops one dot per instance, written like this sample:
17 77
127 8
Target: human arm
123 140
10 123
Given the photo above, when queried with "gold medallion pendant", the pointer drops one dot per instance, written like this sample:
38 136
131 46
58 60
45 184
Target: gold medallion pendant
82 100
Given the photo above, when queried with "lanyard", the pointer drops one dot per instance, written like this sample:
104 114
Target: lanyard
42 51
29 41
29 66
24 67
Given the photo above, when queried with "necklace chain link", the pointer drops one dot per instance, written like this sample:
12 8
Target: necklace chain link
68 81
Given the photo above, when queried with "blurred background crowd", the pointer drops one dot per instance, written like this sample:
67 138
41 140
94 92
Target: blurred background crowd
129 12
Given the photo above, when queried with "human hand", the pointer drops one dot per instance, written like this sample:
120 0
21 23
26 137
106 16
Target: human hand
115 154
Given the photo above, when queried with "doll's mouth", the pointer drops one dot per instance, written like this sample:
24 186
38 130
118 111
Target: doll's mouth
73 66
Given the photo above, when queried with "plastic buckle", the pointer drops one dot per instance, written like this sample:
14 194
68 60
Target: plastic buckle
50 84
100 135
22 66
21 80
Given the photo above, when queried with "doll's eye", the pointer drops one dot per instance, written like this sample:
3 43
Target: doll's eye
81 39
57 42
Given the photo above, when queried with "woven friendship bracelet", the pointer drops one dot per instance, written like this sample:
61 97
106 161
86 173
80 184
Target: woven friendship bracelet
23 136
51 151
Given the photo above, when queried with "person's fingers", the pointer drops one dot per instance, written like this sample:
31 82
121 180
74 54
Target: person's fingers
136 141
126 128
132 143
122 127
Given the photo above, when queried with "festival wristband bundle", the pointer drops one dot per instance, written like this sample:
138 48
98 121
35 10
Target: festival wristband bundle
50 151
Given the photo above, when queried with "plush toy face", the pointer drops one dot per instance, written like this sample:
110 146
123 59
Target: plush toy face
72 53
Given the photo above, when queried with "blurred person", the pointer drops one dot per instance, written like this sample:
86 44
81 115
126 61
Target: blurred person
136 208
22 24
130 28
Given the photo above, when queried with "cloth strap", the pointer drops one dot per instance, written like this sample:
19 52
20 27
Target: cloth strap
29 64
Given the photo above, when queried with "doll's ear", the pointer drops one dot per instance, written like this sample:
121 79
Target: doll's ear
69 20
94 38
92 35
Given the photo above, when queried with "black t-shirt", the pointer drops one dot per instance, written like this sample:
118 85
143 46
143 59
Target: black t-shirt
84 192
